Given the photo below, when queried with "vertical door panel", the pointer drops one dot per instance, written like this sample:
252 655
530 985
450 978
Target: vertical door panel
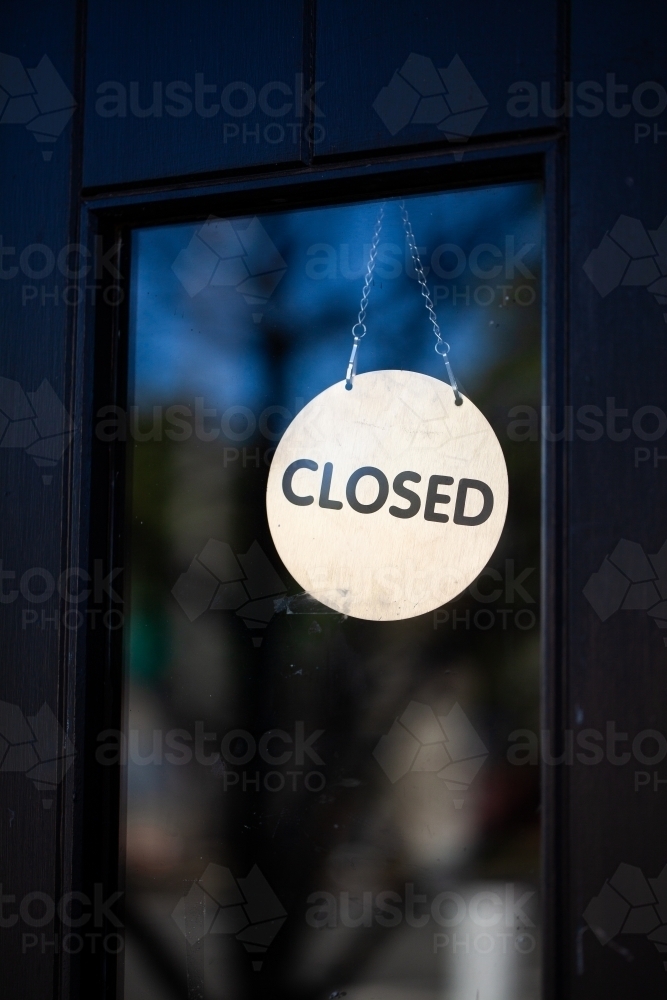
618 496
403 74
39 115
191 88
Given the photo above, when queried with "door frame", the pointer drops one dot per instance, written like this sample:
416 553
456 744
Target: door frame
90 851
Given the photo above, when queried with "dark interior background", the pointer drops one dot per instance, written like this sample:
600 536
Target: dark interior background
346 829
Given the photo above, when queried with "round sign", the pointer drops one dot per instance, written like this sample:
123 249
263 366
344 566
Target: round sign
387 500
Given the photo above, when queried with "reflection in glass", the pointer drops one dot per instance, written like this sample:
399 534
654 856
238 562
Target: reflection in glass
319 806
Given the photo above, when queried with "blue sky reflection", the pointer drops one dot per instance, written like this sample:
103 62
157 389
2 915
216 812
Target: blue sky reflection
213 343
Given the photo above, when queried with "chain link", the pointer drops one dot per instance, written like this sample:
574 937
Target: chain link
359 328
441 346
363 305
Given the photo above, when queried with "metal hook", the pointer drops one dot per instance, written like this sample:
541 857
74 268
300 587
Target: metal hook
363 305
352 363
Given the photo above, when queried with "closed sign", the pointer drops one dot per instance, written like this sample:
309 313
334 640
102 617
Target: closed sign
386 501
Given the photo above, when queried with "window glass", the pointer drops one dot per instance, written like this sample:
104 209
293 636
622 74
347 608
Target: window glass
319 805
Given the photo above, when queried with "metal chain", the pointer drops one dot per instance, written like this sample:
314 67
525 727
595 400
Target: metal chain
363 305
441 346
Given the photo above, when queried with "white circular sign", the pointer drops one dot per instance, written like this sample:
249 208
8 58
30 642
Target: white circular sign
387 500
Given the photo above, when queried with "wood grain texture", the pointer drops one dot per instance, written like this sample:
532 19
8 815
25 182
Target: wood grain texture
165 76
363 48
34 334
378 565
617 667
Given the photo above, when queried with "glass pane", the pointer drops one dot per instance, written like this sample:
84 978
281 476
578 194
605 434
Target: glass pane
320 805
